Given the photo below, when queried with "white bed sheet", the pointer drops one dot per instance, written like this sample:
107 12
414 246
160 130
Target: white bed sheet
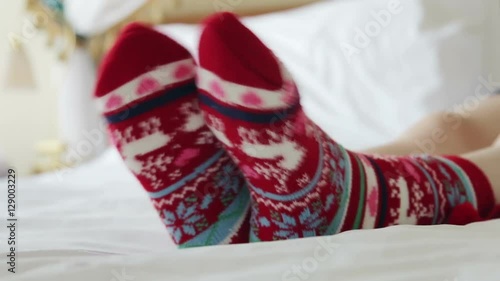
94 222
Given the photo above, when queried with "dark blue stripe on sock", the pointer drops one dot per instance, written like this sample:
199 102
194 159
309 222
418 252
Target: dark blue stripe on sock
264 117
384 195
138 108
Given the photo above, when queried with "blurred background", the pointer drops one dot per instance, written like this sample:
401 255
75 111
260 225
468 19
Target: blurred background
431 55
30 77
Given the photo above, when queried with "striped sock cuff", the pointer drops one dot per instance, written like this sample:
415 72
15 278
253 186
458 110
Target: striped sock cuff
155 100
264 117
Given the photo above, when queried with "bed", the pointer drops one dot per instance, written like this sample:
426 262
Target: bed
93 222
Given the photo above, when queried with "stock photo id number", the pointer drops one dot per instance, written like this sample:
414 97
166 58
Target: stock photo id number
11 223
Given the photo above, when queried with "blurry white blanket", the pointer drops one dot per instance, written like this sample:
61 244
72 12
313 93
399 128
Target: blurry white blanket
401 253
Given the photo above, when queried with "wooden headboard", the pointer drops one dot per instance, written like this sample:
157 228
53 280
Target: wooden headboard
169 11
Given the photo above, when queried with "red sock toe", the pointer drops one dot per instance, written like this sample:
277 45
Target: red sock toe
247 60
155 50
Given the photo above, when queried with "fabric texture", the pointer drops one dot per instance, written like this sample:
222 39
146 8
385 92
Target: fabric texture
302 182
147 93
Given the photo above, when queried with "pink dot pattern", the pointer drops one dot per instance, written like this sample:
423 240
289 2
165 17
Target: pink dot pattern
147 85
183 71
251 99
114 102
217 89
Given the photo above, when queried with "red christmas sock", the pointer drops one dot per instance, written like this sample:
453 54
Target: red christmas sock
147 93
302 182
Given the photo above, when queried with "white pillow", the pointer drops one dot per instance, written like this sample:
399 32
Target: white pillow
418 57
92 17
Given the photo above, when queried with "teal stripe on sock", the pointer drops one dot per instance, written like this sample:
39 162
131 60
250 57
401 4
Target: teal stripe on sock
469 189
362 196
253 237
226 226
335 225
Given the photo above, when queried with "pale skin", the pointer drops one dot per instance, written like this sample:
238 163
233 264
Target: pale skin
473 134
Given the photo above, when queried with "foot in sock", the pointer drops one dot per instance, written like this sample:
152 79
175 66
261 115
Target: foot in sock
301 181
147 93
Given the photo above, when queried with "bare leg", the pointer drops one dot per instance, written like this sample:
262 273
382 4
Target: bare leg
449 133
